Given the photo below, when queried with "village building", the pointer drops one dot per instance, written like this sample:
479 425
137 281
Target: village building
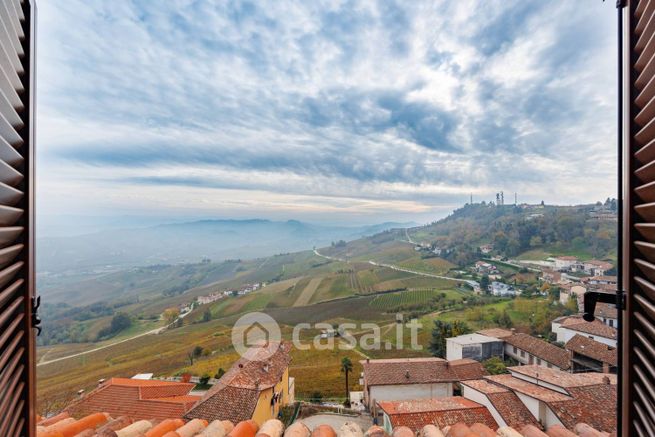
529 350
551 276
572 290
554 397
501 289
608 314
504 404
255 387
563 263
567 327
136 398
445 411
399 379
587 355
474 346
486 249
595 267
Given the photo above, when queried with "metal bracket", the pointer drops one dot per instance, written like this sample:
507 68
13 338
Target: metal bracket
620 4
36 320
591 298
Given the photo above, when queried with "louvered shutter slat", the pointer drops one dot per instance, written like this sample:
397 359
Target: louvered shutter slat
17 341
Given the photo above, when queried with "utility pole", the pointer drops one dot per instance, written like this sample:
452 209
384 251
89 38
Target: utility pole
471 199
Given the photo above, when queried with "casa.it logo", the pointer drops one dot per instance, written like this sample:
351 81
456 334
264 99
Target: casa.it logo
256 330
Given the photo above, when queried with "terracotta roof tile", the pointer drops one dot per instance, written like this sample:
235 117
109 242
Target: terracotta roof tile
235 395
528 388
140 399
592 349
606 310
419 371
540 349
561 379
594 405
496 332
439 411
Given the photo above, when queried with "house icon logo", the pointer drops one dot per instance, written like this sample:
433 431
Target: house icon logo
256 330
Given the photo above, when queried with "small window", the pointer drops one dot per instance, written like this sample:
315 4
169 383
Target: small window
522 354
539 361
514 350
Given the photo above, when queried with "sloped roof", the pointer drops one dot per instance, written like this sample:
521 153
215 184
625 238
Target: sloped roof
235 395
540 349
598 328
606 310
564 380
420 371
528 388
506 402
496 332
439 411
141 399
593 349
594 405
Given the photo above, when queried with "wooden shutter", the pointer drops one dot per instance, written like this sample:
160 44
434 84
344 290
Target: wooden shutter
638 139
17 340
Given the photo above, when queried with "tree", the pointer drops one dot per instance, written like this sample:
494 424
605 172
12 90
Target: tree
316 397
207 315
220 373
346 368
484 283
443 330
170 315
495 366
120 322
505 320
197 351
204 379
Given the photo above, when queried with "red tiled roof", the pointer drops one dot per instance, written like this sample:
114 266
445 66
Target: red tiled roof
97 423
596 327
496 332
235 395
594 405
419 371
506 402
528 388
606 310
438 411
540 349
592 349
140 399
561 379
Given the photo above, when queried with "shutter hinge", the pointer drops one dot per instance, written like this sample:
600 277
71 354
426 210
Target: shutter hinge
620 4
36 320
591 298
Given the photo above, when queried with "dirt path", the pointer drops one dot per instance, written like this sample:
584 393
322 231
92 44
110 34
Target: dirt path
307 294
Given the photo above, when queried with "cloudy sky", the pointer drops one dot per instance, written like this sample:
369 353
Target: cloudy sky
332 111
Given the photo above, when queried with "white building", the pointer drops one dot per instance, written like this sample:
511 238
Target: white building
501 289
564 262
567 327
572 290
528 350
474 346
400 379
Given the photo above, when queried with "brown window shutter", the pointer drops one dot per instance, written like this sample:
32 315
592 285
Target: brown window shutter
17 339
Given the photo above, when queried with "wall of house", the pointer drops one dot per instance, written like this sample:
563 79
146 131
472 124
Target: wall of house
264 410
568 334
379 393
482 399
525 358
453 350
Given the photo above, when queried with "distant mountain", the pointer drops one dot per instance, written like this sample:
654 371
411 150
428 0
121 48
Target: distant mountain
191 242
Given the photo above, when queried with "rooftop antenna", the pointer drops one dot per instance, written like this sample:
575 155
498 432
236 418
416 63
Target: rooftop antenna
502 198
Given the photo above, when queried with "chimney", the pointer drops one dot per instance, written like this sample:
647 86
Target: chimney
407 374
80 393
606 380
101 381
368 360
